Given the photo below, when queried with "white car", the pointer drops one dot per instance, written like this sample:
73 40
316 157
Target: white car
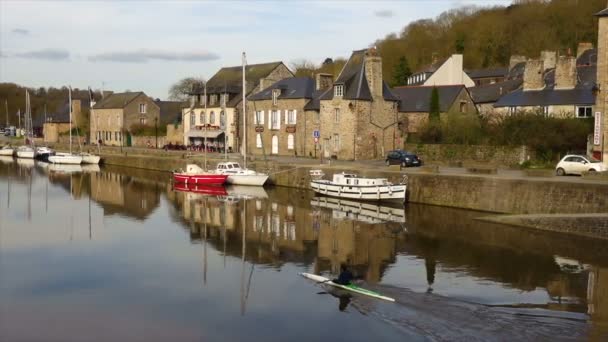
573 164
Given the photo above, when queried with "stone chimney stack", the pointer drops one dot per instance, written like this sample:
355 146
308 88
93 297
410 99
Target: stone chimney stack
565 72
533 75
582 47
373 71
516 59
549 59
323 81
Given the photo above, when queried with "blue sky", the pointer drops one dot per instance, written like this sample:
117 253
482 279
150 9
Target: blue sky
148 45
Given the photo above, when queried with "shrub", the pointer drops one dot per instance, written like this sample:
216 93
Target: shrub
146 130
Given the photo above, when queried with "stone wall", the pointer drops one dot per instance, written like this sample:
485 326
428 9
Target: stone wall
175 134
503 156
592 225
533 75
132 115
51 131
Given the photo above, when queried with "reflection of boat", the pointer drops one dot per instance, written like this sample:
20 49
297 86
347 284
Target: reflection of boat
7 151
240 176
6 159
351 287
196 175
65 168
89 167
200 189
246 191
360 211
349 185
26 162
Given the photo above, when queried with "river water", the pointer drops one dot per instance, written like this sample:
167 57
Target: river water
117 254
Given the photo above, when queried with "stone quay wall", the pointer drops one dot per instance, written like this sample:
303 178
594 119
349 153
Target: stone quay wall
503 156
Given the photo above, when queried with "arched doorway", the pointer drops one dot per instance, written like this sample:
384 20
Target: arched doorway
275 144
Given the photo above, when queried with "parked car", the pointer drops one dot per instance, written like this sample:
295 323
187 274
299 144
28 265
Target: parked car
403 158
574 164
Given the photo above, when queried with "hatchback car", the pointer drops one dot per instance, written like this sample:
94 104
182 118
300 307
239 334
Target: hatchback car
574 164
403 158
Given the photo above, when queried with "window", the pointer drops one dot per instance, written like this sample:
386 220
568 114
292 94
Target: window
142 108
258 140
116 136
338 90
202 118
143 121
212 118
546 111
222 119
584 112
290 142
336 142
212 99
291 117
463 106
337 115
512 110
258 117
224 99
275 96
275 120
192 119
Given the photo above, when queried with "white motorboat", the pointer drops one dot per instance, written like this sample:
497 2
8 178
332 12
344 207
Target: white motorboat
25 152
240 176
359 211
349 185
7 151
43 153
65 158
88 158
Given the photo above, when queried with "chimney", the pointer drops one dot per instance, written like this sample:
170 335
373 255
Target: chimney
323 81
373 71
549 59
565 72
516 59
533 74
582 47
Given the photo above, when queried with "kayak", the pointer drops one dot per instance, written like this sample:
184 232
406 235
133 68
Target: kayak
351 287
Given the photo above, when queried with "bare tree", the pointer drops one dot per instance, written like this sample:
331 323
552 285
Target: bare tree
179 91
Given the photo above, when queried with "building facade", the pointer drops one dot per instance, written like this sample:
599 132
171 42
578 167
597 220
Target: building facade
113 117
601 105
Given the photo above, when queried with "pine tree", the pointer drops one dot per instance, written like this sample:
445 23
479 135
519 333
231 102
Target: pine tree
401 72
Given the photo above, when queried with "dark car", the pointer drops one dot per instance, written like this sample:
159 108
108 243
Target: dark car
403 158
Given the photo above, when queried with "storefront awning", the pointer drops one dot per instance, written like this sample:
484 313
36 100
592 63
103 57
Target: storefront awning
195 133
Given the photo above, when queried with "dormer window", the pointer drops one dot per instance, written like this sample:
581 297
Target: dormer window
275 96
224 99
213 99
338 90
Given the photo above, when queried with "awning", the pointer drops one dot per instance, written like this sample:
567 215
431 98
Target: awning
196 133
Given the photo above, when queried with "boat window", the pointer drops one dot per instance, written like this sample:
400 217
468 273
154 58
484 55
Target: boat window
356 182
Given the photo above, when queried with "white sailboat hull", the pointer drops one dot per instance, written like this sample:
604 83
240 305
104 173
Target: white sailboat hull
65 158
366 193
25 154
255 180
90 159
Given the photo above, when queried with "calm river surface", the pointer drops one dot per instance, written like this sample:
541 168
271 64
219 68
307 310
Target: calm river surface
118 255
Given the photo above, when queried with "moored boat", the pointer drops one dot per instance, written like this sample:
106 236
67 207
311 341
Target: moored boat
65 158
240 176
25 152
88 158
43 153
349 185
194 174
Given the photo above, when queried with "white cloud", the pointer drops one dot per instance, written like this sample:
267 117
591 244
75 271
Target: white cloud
47 54
143 56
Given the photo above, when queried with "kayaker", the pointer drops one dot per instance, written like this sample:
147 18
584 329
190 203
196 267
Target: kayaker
345 277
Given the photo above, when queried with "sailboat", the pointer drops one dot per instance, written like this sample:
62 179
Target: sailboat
6 150
87 158
238 175
62 157
25 151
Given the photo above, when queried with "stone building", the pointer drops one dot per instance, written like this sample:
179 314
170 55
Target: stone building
358 116
58 121
280 122
112 117
601 105
414 105
221 125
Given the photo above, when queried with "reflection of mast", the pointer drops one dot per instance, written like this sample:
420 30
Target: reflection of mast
224 234
244 228
90 228
204 218
46 196
8 190
29 197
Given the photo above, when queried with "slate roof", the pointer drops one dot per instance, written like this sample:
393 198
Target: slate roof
355 83
230 79
291 88
117 100
418 98
490 93
602 13
582 94
588 57
315 103
488 72
517 71
170 111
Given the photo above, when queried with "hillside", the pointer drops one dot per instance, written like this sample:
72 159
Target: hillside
489 36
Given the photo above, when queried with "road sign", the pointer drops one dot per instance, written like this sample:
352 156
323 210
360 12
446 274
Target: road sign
316 140
316 134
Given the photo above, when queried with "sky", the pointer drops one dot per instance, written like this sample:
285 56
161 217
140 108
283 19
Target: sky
149 45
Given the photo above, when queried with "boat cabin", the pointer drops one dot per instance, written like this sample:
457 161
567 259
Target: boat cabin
351 179
228 166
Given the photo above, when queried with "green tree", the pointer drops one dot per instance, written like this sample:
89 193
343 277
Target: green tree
401 73
434 110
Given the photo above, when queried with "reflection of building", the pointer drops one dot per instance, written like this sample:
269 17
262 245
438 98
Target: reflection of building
597 299
121 194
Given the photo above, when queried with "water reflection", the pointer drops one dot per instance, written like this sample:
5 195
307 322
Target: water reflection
252 231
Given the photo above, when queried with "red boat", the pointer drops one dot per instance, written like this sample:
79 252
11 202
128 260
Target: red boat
201 189
195 175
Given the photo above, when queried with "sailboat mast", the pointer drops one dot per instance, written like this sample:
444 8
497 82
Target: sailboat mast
70 111
6 107
244 114
205 124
